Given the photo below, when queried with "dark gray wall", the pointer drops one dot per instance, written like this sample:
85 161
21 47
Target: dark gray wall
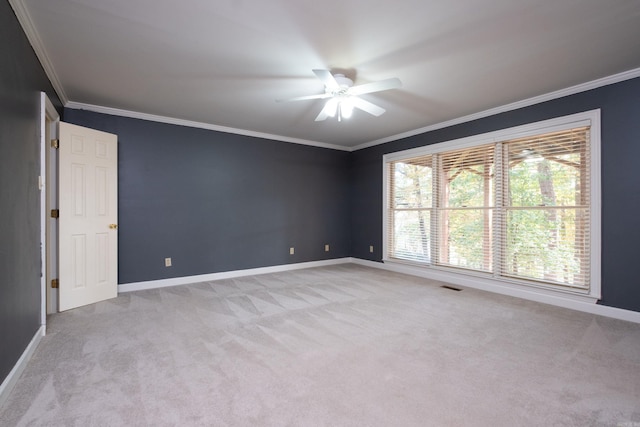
216 202
21 80
620 109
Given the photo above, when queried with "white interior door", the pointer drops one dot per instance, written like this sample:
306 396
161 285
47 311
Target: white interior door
88 204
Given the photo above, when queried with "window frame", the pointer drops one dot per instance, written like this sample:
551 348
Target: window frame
462 276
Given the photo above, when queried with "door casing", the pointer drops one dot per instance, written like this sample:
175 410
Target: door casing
48 185
49 119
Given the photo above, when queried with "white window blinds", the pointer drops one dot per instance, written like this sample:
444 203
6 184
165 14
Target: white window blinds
465 207
513 209
412 206
546 212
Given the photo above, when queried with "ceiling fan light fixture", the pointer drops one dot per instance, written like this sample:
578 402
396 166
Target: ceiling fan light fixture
332 107
344 96
346 108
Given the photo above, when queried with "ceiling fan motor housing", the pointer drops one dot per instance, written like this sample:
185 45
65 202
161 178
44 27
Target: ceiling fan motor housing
344 82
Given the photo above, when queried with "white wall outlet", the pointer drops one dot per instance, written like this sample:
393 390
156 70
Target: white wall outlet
371 248
167 262
292 251
326 248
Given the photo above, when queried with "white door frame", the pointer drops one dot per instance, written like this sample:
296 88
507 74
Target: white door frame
49 119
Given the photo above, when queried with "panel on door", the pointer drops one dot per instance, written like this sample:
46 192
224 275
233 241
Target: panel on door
88 204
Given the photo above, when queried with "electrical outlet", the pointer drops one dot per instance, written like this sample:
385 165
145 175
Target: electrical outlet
167 262
326 248
292 251
371 248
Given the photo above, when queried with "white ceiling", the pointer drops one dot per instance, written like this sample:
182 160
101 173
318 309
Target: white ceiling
225 62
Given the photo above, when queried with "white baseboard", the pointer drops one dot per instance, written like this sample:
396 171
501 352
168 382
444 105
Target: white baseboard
152 284
12 378
460 280
471 282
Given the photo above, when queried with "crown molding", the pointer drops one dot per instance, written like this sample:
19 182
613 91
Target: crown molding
200 125
583 87
22 13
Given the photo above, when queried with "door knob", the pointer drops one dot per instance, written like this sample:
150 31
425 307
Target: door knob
113 226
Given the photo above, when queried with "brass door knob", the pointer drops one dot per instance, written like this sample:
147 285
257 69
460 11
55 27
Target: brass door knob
113 226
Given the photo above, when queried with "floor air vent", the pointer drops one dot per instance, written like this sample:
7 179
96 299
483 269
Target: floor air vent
451 288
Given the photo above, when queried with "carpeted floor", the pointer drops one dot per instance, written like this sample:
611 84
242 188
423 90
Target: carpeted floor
343 345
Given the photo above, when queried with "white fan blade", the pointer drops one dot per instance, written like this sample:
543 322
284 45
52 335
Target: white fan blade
375 86
330 109
367 106
302 98
327 78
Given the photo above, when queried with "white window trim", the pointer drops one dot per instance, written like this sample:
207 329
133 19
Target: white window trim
514 287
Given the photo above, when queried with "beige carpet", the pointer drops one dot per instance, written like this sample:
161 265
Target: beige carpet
333 346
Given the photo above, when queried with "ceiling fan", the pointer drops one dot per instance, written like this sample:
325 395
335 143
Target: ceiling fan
343 96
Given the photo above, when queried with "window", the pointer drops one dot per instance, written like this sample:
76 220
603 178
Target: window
519 205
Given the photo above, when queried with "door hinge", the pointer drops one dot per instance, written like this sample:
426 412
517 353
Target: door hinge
55 213
54 283
55 143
